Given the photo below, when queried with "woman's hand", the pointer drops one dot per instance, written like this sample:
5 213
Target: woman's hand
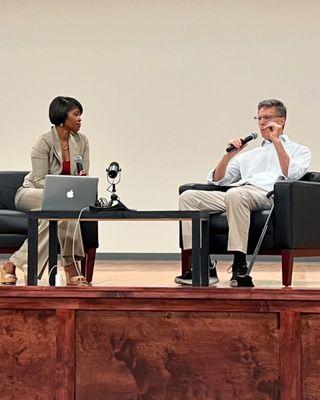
83 173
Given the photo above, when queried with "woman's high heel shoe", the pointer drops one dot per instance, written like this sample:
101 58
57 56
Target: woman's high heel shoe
75 280
6 278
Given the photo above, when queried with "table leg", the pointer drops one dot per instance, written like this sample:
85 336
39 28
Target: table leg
53 251
32 251
196 254
204 275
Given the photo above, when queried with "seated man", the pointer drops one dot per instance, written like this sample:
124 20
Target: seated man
251 175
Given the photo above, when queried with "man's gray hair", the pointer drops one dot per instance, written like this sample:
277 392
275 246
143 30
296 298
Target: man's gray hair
280 107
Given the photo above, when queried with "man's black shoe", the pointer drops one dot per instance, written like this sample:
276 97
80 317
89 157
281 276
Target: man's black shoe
239 276
243 281
186 278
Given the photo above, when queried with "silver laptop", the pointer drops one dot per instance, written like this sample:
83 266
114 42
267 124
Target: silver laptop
69 193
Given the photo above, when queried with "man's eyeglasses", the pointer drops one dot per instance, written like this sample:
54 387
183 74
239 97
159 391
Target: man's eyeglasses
266 117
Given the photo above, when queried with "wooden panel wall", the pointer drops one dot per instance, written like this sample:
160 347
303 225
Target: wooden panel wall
27 354
181 356
311 356
139 344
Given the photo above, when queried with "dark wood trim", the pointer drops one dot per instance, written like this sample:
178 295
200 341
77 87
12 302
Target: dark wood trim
65 363
163 305
287 267
190 293
87 265
290 351
8 250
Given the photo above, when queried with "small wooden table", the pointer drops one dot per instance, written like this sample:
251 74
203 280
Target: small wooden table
200 233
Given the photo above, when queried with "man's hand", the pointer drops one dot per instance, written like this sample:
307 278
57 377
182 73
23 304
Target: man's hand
272 131
221 168
237 143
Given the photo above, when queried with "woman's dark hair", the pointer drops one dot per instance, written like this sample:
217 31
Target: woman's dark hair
59 108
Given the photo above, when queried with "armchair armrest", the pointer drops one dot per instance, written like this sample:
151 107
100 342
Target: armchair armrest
297 215
10 181
202 186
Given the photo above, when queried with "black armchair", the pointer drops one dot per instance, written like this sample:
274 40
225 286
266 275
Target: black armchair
14 224
294 230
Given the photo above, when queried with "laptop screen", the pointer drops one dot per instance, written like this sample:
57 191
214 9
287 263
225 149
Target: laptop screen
69 193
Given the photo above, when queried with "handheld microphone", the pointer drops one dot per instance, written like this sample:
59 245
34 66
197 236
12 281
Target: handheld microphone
78 161
113 170
244 141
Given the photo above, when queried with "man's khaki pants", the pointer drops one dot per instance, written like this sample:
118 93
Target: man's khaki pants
237 202
30 198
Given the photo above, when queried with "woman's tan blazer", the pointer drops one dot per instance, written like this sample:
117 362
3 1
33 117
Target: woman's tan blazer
46 157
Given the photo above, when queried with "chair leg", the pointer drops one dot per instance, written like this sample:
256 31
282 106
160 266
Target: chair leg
287 267
185 260
87 264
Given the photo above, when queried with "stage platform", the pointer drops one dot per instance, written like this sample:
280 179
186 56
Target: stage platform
159 343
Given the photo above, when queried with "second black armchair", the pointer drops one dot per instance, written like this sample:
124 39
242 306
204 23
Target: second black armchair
294 230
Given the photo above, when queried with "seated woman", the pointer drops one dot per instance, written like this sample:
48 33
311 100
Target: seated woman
53 153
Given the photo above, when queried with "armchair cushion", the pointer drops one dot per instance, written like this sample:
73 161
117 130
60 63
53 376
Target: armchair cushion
13 222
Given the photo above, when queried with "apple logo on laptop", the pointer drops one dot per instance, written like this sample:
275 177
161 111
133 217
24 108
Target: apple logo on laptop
70 194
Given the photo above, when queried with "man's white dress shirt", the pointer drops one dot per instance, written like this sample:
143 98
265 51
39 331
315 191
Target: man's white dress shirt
261 167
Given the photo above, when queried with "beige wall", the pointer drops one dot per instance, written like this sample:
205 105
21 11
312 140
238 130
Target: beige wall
164 85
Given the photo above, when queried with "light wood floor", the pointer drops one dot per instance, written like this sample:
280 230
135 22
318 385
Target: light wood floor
162 274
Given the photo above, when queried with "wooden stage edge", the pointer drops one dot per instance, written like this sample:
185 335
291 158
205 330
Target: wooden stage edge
159 343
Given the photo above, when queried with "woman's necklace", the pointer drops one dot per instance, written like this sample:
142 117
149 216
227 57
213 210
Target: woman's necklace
64 141
64 146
